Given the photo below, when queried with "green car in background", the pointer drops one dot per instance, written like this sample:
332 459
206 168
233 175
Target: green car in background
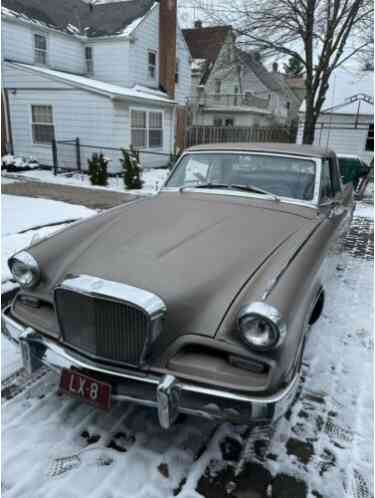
352 170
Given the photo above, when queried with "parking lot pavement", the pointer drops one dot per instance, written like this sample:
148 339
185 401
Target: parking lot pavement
56 447
91 198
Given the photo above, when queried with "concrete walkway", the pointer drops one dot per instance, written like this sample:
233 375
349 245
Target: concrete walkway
91 198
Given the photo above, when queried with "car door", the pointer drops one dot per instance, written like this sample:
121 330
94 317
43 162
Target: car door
336 210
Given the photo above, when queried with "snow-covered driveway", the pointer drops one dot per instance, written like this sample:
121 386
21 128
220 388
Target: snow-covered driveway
55 447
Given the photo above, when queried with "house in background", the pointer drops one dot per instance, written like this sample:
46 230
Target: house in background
231 87
346 123
113 74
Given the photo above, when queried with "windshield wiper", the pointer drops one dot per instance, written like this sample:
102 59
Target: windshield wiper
204 185
253 188
246 188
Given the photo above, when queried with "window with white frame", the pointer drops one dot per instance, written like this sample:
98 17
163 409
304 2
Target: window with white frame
152 64
146 129
138 129
155 131
89 60
40 49
43 130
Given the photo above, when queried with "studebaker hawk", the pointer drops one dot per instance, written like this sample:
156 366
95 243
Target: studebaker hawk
197 300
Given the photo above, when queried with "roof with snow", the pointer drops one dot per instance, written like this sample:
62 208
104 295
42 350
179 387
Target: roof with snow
138 92
81 18
349 92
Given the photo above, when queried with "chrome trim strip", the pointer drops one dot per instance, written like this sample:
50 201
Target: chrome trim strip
56 357
98 287
264 310
30 263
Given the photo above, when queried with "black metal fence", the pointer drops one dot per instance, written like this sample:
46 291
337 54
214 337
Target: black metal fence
73 156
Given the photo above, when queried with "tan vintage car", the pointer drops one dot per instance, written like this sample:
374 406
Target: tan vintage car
197 300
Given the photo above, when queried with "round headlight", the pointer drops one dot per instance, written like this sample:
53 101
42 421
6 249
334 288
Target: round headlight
24 269
261 326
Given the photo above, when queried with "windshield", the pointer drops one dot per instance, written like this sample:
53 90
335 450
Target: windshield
279 175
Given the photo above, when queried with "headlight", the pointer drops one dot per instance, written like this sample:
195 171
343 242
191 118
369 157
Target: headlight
261 326
24 269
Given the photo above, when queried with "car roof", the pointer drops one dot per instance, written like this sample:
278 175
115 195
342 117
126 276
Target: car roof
276 148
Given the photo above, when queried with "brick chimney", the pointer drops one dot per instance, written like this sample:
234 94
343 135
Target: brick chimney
167 45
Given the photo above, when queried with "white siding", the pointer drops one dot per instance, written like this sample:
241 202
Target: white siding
183 87
64 52
225 72
17 42
122 137
75 113
22 78
342 141
111 61
146 38
240 119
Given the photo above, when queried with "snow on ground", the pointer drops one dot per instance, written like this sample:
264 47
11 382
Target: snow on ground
23 214
153 180
364 210
56 447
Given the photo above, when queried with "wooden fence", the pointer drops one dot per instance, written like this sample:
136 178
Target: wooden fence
223 134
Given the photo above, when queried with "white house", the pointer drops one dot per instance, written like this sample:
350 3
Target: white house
346 123
231 87
112 74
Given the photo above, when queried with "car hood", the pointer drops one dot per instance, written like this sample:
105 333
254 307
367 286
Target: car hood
194 250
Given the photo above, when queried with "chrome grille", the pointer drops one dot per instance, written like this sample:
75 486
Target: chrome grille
102 328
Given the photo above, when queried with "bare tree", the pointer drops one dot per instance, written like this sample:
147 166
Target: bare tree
315 32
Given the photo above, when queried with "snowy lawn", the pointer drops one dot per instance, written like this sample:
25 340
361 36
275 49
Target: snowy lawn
23 214
56 447
153 180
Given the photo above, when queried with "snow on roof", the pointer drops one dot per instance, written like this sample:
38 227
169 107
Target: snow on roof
344 86
198 64
77 18
113 91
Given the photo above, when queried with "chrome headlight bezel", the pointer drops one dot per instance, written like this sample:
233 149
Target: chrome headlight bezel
26 263
268 314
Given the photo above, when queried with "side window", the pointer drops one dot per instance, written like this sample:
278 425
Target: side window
336 185
151 64
326 192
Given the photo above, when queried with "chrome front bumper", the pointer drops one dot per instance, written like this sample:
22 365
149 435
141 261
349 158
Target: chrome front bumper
166 393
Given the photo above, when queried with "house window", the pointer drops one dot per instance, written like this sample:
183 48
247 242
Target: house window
146 129
89 60
218 122
229 122
177 71
152 64
236 90
43 129
217 89
370 138
40 49
155 132
138 129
